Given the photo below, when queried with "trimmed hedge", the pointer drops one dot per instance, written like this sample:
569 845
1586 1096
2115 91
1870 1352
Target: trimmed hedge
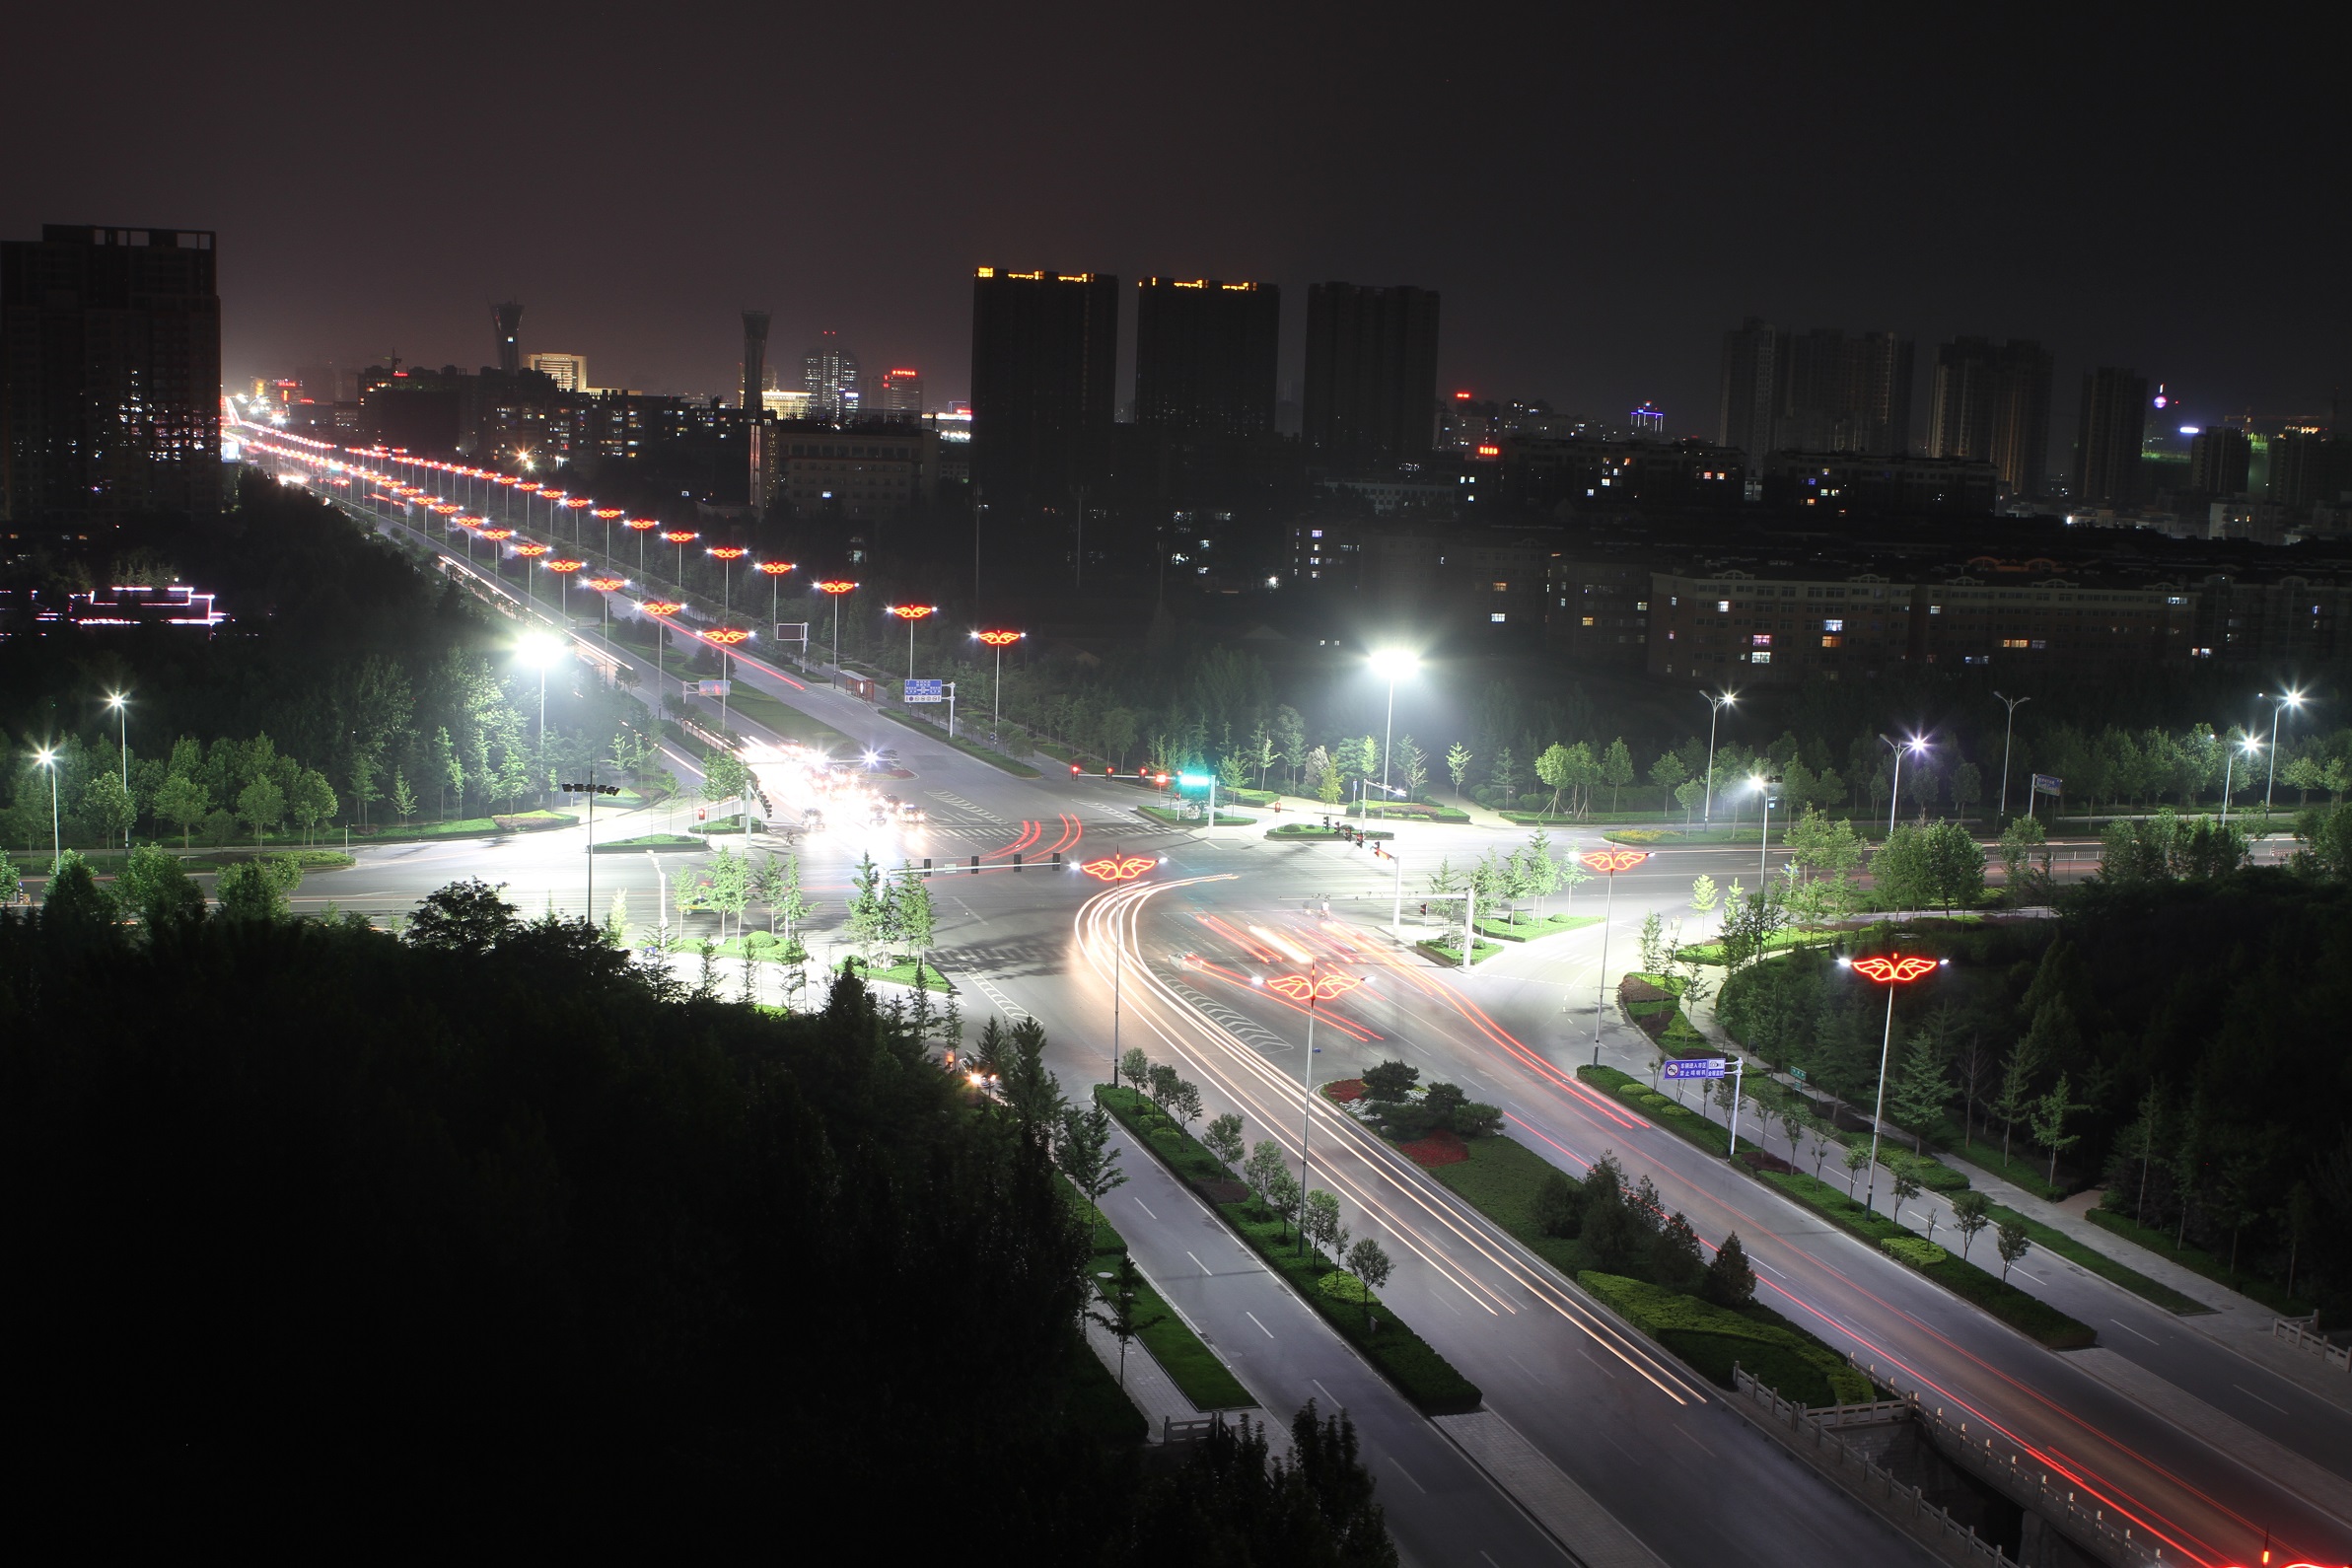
1423 1376
1680 1120
1190 1364
996 759
1529 930
1713 1338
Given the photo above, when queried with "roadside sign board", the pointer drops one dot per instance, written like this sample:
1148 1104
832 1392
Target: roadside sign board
714 688
2049 784
1695 1067
925 691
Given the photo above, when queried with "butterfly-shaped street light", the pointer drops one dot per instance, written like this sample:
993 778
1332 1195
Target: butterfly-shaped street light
1311 987
1607 862
1892 972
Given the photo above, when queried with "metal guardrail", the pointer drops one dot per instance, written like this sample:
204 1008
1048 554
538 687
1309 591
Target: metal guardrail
2299 1332
1814 1432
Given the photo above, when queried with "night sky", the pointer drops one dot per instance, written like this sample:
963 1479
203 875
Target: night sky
1598 191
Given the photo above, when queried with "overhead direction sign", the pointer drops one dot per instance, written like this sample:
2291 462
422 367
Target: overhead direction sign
925 691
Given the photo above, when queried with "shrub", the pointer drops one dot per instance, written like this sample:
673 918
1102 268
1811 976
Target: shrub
1559 1207
1915 1250
1340 1285
1634 1089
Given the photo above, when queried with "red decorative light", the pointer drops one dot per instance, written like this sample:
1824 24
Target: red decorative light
1312 988
679 536
498 533
661 607
1119 868
579 501
641 524
533 549
506 479
776 568
607 513
565 566
911 611
728 636
528 484
1896 971
606 585
836 589
1609 862
1000 639
728 552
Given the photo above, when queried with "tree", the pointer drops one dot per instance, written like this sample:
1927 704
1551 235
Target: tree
1134 1066
1687 795
1290 738
1857 1157
1653 944
1281 1195
108 807
1223 1138
312 800
1669 773
2015 1102
1675 1258
916 916
74 908
1901 869
1329 788
1260 755
1954 866
2049 1121
2013 1241
446 771
1971 1212
1083 1150
1319 1218
1185 1104
1905 1183
730 888
1162 1086
257 890
1119 1295
1389 1081
1234 771
404 799
1616 770
1028 1082
1458 764
1552 768
1703 894
1412 766
1265 1162
154 884
261 804
1369 1262
1923 1088
1794 1120
2021 841
1503 775
1731 1282
468 917
182 801
1968 787
1559 1207
869 906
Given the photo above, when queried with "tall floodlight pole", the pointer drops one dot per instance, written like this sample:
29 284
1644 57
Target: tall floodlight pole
1391 662
2278 704
1715 706
2007 729
120 703
1913 744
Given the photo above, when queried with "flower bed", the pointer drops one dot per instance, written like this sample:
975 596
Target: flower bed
1442 1147
1344 1089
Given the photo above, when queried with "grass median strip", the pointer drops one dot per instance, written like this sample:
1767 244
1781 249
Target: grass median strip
1402 1356
1189 1362
2050 1240
2199 1262
996 759
1530 929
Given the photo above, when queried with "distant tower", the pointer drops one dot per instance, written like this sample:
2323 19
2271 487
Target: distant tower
754 382
509 318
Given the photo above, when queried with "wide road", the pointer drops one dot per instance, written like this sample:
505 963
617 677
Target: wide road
1622 1421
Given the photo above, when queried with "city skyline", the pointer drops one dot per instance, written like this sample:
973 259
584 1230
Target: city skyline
1323 154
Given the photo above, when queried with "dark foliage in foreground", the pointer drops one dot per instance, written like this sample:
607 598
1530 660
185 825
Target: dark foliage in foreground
361 1247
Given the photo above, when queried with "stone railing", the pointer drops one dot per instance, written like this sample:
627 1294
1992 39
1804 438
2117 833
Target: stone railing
2299 1332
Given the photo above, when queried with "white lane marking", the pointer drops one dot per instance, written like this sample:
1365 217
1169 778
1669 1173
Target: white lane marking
1261 1327
1701 1447
1328 1394
2129 1330
1761 1264
1603 1366
2258 1398
1417 1486
1146 1207
1197 1263
2035 1278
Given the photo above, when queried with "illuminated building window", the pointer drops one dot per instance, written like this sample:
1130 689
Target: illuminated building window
1833 626
1832 641
1762 639
1723 607
1497 617
2013 642
1585 621
1760 657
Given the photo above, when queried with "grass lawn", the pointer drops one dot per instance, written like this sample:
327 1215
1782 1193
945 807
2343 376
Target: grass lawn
995 760
1415 812
1529 929
2105 1267
1185 818
1499 1180
2021 1170
670 841
1302 831
1778 941
1679 1120
1191 1365
903 973
789 721
1449 954
2202 1261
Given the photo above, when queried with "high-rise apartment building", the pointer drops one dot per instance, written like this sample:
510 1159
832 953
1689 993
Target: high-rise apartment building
1044 353
1993 401
1371 395
1753 369
830 376
1204 357
2307 466
2109 427
568 371
1843 394
2219 462
896 395
1648 424
507 319
109 374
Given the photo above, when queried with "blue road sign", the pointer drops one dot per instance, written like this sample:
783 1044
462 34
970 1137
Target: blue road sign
1696 1067
925 691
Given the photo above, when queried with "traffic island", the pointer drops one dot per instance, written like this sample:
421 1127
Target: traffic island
1402 1356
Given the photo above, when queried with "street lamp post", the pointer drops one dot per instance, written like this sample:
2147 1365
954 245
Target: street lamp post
2246 747
1913 744
1391 662
120 703
724 638
1763 789
1715 706
563 570
2278 704
641 525
1608 862
727 556
909 614
1890 972
47 756
775 586
661 610
605 587
2007 727
834 590
1000 641
681 538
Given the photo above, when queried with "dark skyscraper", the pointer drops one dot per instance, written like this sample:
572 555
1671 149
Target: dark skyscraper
1755 362
2107 432
1044 353
508 318
754 382
1204 357
1993 401
1370 396
2219 462
830 376
109 374
1841 393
